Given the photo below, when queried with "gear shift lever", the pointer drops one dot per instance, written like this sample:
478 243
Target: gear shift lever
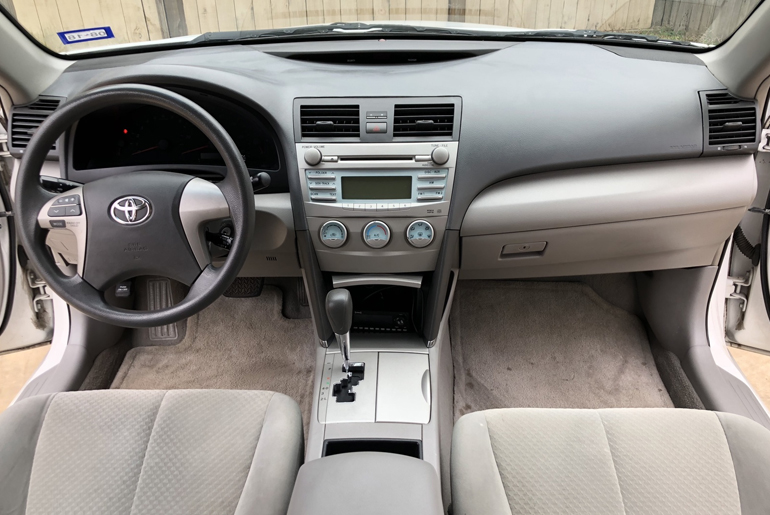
339 308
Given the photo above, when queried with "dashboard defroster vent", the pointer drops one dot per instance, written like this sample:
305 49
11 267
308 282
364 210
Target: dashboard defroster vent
330 121
731 121
416 120
26 119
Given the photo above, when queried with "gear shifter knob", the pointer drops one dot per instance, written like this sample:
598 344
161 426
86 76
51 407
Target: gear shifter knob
339 309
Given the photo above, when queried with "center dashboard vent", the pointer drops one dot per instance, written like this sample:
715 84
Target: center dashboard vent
731 122
27 119
423 120
330 121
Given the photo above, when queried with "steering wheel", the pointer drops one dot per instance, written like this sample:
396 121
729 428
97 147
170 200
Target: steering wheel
136 223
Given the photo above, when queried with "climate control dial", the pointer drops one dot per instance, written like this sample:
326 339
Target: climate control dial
333 234
376 234
419 234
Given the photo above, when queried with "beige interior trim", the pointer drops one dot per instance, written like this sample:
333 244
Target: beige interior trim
25 70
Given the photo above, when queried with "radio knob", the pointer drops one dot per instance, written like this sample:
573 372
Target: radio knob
313 156
440 155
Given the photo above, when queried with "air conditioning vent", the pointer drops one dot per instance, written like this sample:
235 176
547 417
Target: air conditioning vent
416 120
26 119
720 99
731 121
330 121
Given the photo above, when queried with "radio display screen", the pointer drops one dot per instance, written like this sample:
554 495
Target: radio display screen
377 187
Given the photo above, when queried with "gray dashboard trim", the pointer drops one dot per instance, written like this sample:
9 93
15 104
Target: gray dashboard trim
527 108
609 194
650 54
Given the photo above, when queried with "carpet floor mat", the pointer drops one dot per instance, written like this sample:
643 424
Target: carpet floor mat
236 344
548 345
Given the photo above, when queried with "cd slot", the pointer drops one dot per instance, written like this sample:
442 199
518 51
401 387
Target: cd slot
376 158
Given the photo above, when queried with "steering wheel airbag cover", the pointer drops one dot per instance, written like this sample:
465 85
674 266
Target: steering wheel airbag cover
155 246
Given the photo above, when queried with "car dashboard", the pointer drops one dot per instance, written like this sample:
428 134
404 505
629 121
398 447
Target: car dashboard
482 160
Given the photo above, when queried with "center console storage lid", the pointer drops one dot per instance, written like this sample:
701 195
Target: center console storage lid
366 483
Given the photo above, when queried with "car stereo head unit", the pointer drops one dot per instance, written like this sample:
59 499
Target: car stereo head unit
395 179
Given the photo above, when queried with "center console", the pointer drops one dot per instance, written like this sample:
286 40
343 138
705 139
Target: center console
376 176
377 197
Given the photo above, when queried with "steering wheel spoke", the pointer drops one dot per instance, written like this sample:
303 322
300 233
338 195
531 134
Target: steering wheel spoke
64 216
201 202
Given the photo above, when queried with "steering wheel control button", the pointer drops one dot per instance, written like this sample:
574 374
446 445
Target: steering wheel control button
57 211
333 234
440 155
376 234
69 200
313 156
72 211
58 224
419 234
130 210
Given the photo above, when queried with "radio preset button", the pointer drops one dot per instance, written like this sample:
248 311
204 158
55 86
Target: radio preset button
393 207
371 207
382 207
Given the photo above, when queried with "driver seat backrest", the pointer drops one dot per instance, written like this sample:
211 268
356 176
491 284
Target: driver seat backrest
139 452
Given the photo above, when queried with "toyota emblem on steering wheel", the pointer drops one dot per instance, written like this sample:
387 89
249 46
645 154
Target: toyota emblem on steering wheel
130 210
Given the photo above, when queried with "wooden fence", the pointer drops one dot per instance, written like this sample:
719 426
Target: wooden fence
707 21
143 20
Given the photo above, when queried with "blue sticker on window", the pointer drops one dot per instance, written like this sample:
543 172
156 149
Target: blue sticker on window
69 37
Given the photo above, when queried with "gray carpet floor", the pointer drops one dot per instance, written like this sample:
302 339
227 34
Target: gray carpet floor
235 343
548 345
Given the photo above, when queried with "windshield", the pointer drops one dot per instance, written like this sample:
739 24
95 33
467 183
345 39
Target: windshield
73 26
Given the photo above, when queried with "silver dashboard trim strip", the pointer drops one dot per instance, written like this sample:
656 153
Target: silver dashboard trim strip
345 281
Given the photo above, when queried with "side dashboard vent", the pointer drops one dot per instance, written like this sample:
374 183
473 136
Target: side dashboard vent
416 120
27 119
330 121
731 121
